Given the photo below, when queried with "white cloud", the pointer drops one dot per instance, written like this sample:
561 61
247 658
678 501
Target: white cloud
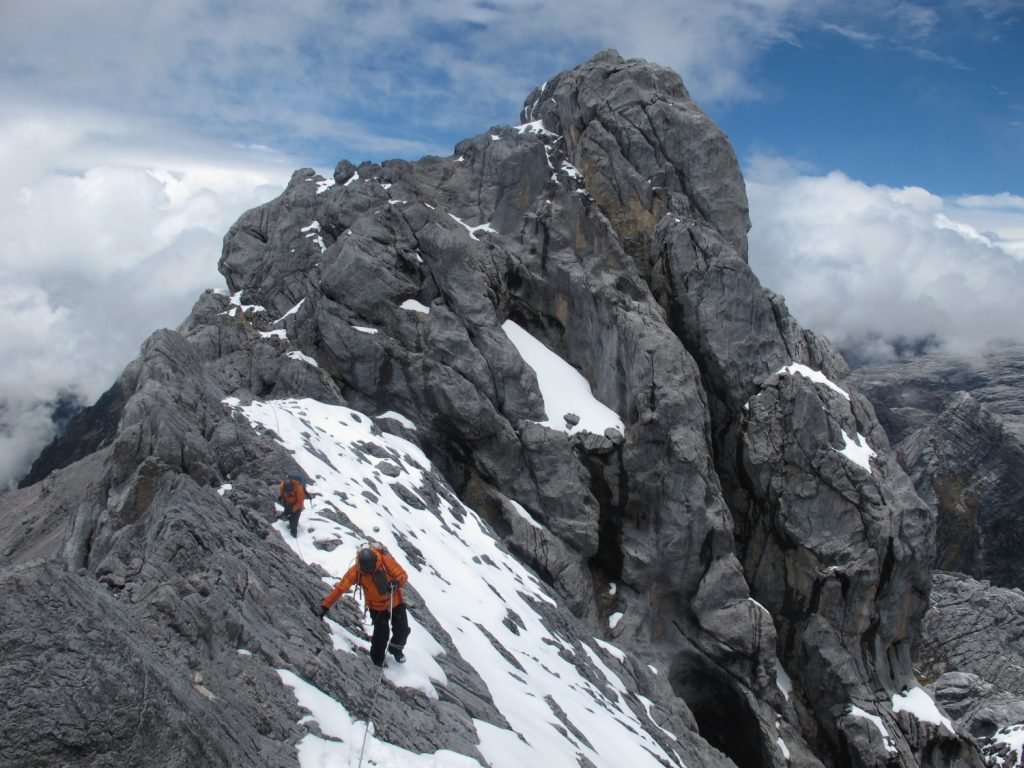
283 73
99 252
864 38
863 263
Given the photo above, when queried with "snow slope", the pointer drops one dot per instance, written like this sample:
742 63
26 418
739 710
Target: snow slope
470 584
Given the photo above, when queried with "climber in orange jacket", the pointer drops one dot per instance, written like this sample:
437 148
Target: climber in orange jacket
381 579
292 496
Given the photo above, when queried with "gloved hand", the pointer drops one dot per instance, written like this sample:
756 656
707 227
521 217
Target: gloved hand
393 585
323 611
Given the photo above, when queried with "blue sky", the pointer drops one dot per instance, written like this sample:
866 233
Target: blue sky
882 144
887 105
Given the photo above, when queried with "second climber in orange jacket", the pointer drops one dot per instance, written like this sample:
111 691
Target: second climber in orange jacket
381 579
292 493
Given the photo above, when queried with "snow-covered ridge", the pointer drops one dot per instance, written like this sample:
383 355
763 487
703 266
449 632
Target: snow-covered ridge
464 570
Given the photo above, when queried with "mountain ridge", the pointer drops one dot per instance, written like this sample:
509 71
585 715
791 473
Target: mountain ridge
748 533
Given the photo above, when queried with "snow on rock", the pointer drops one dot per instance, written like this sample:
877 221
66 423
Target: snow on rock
563 388
816 376
917 702
537 127
890 743
521 510
473 230
322 184
313 231
291 311
414 306
296 355
397 417
857 450
344 733
1009 739
532 672
237 305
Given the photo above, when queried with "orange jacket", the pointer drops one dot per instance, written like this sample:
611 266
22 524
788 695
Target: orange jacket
294 497
387 569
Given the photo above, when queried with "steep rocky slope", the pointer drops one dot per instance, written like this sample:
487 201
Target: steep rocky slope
747 532
957 427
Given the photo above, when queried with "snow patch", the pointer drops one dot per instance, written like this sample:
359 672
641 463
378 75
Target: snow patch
917 702
473 230
1011 736
890 743
291 311
414 306
237 305
296 355
536 126
395 416
562 387
857 450
782 680
523 513
345 732
783 748
816 376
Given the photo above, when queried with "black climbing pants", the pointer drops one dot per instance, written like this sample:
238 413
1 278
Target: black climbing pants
293 521
398 632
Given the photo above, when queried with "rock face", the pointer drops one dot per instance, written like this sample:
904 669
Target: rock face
960 439
748 532
973 652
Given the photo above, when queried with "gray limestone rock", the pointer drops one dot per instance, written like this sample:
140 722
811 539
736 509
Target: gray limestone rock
975 628
749 520
957 427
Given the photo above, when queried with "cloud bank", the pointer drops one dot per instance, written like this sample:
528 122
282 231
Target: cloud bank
98 253
877 269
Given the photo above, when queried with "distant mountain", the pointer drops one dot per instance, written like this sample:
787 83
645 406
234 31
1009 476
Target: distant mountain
80 431
958 426
648 519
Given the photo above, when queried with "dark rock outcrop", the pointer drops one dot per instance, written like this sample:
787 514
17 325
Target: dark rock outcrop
747 532
88 430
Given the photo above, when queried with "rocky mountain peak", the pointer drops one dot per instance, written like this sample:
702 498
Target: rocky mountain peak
713 538
644 146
